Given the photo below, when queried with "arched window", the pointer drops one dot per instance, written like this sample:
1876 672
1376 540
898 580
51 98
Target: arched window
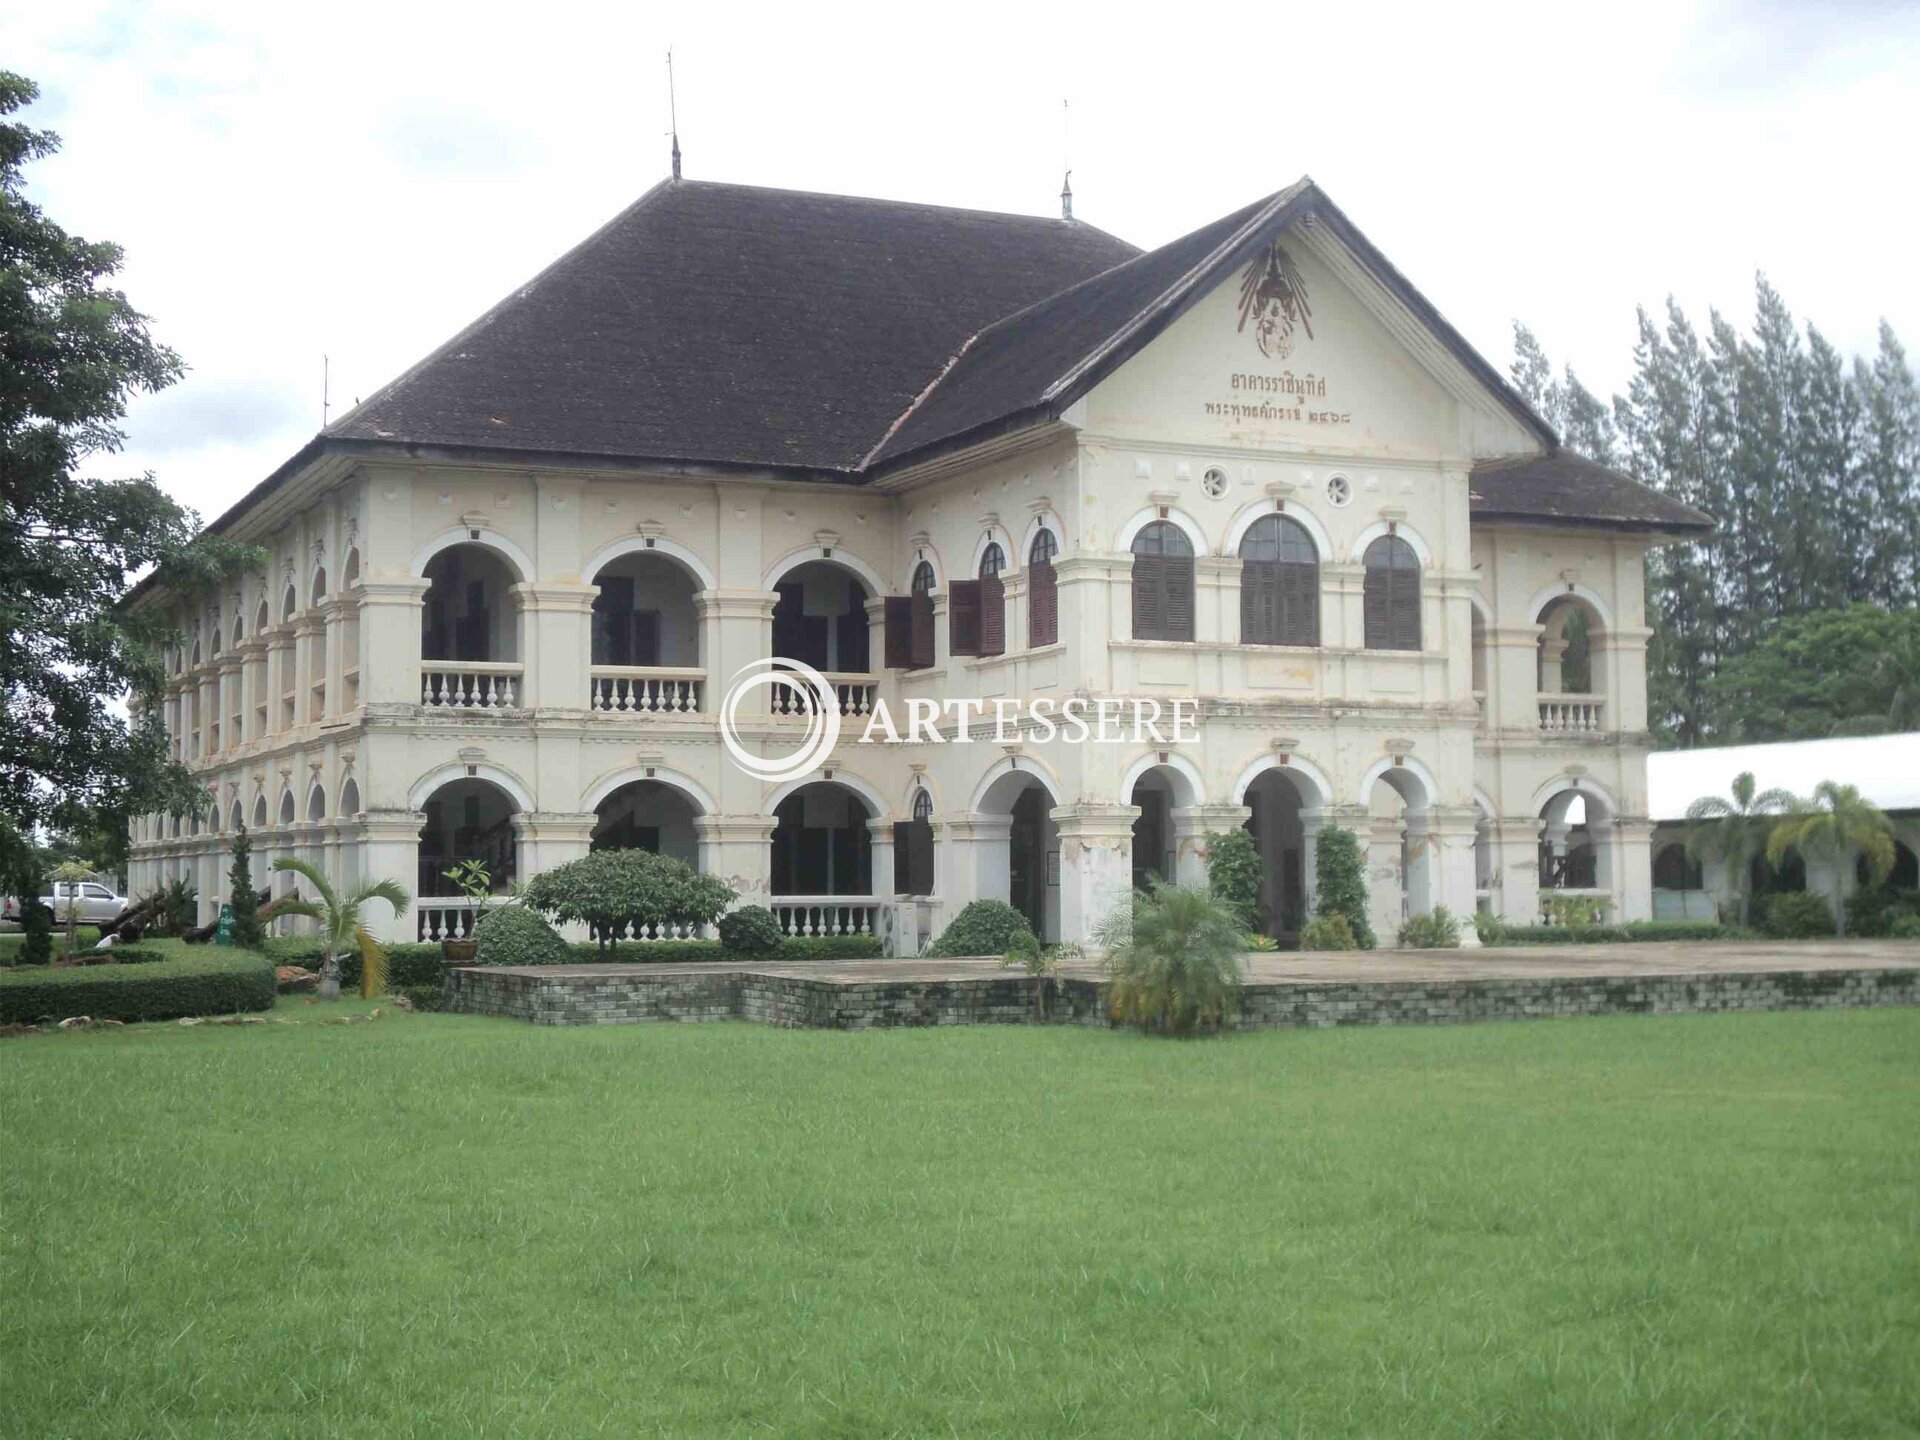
1043 595
1162 583
1279 584
1392 595
977 609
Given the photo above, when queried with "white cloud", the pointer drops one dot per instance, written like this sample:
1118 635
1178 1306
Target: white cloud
362 181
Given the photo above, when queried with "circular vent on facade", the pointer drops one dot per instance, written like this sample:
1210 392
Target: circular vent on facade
1214 482
1339 490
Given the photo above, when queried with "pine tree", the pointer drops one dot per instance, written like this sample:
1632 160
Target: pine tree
1890 476
247 929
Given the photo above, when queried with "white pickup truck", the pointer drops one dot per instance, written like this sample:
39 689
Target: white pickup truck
94 903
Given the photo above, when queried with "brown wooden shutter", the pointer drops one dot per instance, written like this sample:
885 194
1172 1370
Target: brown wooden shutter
899 632
922 627
1043 604
963 617
1179 572
1298 587
920 857
1406 610
1261 603
1376 609
993 615
902 844
1149 597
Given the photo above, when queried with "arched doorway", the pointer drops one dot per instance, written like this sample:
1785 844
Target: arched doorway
648 815
646 635
821 864
469 631
1275 799
1575 858
1027 874
1158 791
1400 847
467 819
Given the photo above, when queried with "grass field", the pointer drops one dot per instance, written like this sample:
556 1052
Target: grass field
439 1226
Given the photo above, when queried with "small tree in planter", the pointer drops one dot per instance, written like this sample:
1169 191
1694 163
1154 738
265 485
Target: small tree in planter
342 924
609 890
1341 883
475 882
248 932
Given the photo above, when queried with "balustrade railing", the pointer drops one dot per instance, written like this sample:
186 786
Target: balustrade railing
645 689
856 694
827 914
470 684
443 917
644 934
1561 714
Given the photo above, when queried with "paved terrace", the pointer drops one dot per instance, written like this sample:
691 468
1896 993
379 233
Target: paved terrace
1354 987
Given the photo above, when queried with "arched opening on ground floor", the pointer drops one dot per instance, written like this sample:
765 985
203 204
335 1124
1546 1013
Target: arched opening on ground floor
467 819
1575 854
1905 874
1276 799
1024 869
822 850
1401 852
1158 791
649 815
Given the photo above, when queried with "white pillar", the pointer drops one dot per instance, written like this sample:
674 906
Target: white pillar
1096 864
1191 824
390 850
1382 838
738 849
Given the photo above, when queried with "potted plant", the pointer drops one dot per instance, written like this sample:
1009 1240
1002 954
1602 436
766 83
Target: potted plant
475 882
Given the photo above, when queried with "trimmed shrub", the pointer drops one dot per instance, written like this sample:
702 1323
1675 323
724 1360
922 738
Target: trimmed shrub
1682 931
1328 932
515 935
985 927
1234 873
1872 912
1437 930
1907 927
1798 915
221 982
609 890
750 930
1341 887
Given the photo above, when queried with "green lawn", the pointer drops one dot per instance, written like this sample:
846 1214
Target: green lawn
444 1226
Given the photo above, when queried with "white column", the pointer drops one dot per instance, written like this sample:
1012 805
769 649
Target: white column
390 641
1450 833
739 850
1096 864
390 850
1382 837
981 857
1191 824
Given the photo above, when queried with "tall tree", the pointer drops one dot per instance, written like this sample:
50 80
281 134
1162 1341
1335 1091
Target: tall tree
1890 475
72 352
1835 825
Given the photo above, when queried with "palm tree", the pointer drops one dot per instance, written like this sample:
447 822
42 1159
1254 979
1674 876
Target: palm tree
1836 823
1173 959
341 925
1736 831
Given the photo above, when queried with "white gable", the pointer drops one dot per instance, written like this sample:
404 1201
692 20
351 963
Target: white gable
1303 350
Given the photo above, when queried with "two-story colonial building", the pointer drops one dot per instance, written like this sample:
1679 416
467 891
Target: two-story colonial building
938 455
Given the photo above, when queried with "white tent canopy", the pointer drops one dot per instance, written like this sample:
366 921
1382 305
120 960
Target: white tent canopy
1884 768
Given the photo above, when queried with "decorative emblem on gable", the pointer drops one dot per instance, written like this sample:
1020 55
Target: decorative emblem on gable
1273 295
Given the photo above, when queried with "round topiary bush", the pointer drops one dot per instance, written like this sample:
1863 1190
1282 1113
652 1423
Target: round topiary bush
750 930
514 935
1798 915
1328 932
986 927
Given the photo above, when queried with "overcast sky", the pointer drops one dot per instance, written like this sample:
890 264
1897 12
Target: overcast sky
360 180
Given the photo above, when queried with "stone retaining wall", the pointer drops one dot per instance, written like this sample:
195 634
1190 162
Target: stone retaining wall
622 996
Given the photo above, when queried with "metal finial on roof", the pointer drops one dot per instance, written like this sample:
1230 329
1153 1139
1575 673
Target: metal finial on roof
673 116
1066 196
1066 160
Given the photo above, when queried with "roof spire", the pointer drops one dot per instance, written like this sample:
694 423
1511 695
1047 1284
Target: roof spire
673 116
1066 161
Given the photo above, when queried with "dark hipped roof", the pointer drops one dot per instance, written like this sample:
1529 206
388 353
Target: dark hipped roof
734 325
1563 488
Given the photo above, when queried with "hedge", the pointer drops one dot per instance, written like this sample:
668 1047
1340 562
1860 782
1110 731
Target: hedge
216 983
1669 930
14 941
411 966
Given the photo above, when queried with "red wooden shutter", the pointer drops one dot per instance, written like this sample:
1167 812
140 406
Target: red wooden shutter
1178 571
963 617
993 615
899 632
1149 597
922 627
1043 604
